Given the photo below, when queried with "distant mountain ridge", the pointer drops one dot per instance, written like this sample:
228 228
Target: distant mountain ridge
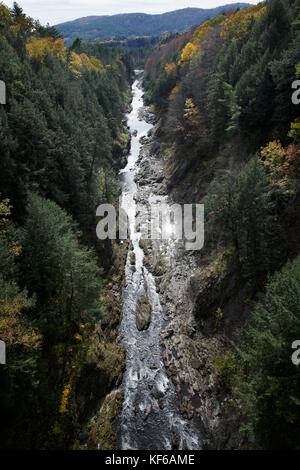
93 28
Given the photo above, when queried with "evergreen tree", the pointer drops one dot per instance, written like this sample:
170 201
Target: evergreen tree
64 277
240 209
270 381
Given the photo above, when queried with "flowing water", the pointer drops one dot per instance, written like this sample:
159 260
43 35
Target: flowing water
150 419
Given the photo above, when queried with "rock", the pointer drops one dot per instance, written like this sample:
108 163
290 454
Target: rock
147 411
190 331
159 267
132 258
144 140
168 333
212 288
155 148
143 246
160 179
175 443
161 403
143 313
83 438
196 363
157 394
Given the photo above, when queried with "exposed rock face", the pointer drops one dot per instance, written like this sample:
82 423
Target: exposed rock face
192 292
102 434
132 258
104 367
148 411
143 314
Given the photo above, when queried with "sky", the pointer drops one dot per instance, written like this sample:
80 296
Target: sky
59 11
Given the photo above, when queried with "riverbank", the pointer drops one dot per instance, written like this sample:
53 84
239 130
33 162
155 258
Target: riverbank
170 382
191 290
150 402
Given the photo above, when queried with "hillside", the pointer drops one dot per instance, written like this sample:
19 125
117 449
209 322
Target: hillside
93 28
173 322
229 135
61 140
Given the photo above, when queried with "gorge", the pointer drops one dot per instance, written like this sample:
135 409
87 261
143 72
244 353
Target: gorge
133 343
150 418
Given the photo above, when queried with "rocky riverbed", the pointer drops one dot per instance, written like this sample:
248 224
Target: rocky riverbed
150 417
180 310
190 292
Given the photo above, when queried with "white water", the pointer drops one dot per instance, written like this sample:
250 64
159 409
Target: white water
146 385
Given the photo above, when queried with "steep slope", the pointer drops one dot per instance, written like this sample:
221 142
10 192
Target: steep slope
93 28
61 140
229 138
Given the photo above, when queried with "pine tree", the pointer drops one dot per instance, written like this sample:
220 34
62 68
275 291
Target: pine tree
64 277
240 209
269 383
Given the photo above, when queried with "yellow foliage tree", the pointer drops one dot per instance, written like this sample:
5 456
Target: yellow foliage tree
282 165
171 69
5 15
188 53
37 47
191 112
202 32
79 61
96 63
13 328
295 131
64 399
237 25
5 211
192 118
24 24
5 224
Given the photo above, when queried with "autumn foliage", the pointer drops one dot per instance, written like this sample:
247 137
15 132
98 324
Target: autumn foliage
282 164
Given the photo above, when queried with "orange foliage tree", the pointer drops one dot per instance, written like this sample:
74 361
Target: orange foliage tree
37 47
282 165
171 69
14 330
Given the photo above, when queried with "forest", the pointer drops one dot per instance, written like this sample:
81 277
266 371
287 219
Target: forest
62 141
132 25
229 134
231 140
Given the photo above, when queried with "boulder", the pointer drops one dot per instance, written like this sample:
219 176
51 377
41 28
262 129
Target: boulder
143 313
147 411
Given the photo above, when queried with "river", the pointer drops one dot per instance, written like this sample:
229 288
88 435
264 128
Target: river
150 419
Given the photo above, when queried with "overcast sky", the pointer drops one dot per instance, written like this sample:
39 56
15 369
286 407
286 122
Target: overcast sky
58 11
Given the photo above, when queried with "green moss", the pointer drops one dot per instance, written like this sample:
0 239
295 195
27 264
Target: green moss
103 434
226 367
